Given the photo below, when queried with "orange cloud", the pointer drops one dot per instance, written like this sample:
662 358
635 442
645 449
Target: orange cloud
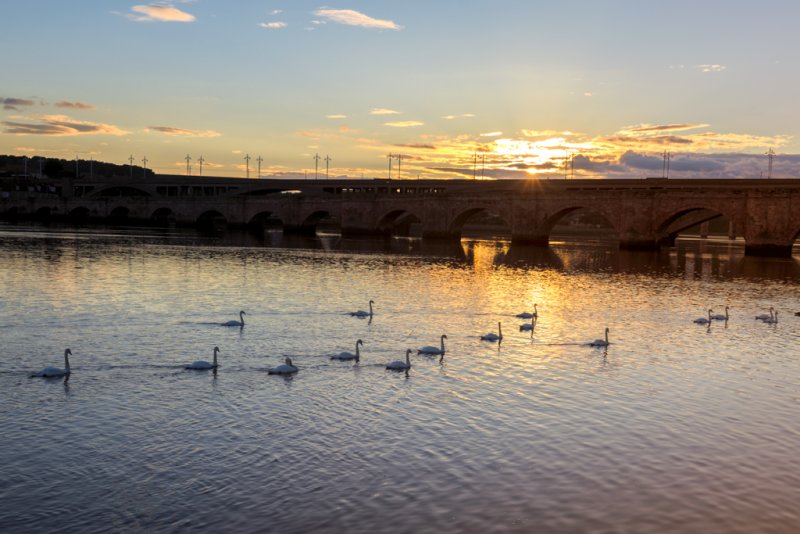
169 130
350 17
159 13
404 124
60 125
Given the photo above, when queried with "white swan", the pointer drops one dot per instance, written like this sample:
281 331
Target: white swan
284 369
528 327
601 342
347 356
704 320
526 315
720 317
399 365
239 323
433 350
362 313
55 372
773 319
491 336
766 316
202 365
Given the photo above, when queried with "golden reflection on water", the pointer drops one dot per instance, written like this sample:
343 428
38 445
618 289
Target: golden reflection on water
673 424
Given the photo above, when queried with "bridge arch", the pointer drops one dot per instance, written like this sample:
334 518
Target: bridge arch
163 217
212 221
265 221
581 220
680 220
483 217
119 215
398 222
80 214
320 217
44 213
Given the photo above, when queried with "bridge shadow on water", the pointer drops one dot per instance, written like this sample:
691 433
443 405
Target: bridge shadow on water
689 258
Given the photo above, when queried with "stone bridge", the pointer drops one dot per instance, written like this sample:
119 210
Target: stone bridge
645 213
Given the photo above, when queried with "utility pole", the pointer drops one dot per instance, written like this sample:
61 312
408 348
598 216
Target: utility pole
76 165
770 155
316 166
130 159
200 160
327 165
259 159
144 166
390 156
40 167
247 163
399 162
188 158
572 166
25 166
474 165
483 165
665 165
91 168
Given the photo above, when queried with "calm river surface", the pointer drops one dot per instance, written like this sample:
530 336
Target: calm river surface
675 428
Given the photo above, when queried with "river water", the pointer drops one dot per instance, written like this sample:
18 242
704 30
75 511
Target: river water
676 427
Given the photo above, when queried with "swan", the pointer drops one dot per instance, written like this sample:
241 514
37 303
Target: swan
773 319
433 350
492 336
601 342
528 327
704 320
346 356
55 372
362 313
720 317
239 323
526 315
400 365
766 316
201 365
284 369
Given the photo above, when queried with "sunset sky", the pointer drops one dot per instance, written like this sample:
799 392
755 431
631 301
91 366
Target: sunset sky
523 84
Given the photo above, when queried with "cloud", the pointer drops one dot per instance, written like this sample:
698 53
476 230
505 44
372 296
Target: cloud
710 67
462 116
276 12
658 128
384 111
169 130
491 134
338 116
159 13
273 25
404 124
59 125
15 103
420 146
350 17
587 93
73 105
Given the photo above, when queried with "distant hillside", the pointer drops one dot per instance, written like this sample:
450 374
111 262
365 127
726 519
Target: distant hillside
14 166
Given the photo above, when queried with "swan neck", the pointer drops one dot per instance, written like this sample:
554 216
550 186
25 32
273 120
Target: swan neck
66 360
